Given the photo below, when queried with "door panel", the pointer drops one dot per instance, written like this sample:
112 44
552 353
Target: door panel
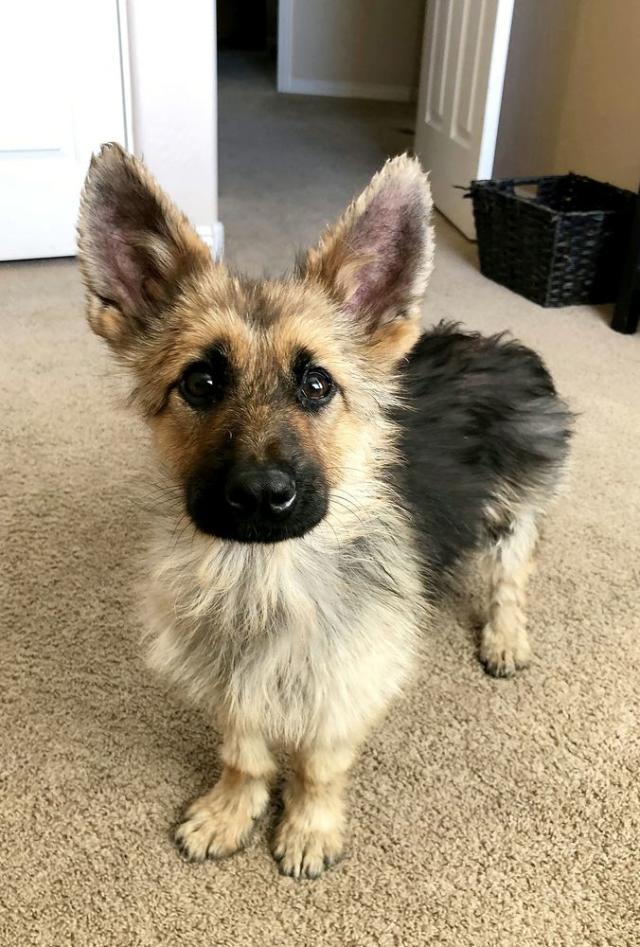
62 97
463 64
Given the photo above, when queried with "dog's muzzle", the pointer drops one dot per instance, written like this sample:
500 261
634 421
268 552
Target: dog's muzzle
254 502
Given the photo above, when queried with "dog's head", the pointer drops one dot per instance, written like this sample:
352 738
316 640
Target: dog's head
265 398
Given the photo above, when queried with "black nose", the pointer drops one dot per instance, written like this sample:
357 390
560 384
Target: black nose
255 489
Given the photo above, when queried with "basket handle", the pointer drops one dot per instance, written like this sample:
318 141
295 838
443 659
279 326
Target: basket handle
464 187
509 184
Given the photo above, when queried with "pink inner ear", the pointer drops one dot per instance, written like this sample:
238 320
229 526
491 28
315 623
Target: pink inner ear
122 272
390 234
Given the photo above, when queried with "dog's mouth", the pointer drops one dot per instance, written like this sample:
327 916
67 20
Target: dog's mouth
257 504
255 530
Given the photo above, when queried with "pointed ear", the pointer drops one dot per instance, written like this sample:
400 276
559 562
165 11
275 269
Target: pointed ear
136 249
376 260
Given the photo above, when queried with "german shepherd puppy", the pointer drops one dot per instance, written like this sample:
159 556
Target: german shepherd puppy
335 463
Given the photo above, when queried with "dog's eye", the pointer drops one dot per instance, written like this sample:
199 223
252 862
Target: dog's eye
316 387
198 386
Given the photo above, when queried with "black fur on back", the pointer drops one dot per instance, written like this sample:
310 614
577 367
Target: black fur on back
482 422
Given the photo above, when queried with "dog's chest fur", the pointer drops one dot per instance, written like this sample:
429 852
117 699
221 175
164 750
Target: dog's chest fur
307 639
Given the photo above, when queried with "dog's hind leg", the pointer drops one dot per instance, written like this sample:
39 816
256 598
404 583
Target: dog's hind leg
504 645
220 822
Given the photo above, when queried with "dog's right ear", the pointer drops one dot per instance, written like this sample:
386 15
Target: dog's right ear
136 249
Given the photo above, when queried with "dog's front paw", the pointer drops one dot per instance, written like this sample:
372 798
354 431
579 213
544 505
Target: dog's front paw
215 826
502 656
306 853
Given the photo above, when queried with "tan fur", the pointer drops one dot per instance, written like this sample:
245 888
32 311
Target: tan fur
504 645
220 822
310 837
292 645
196 322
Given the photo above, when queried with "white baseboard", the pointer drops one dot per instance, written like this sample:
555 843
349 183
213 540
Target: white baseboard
213 236
349 90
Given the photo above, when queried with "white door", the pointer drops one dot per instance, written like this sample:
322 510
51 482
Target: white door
61 96
464 56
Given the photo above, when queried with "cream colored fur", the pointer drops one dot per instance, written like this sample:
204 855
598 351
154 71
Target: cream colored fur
287 646
504 645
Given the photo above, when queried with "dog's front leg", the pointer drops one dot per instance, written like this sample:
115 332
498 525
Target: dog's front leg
220 822
310 835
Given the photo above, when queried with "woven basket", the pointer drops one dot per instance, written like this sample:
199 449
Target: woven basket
559 241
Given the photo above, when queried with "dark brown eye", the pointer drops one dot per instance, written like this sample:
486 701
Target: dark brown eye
198 386
316 387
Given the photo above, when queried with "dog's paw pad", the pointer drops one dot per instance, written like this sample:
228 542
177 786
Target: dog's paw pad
210 832
306 854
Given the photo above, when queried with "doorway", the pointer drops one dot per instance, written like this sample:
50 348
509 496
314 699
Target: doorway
247 33
288 163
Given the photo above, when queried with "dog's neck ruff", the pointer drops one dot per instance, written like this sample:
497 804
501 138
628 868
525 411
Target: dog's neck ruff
262 633
248 586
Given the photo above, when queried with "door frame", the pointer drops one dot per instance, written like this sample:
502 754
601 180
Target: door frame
125 73
285 46
495 88
140 58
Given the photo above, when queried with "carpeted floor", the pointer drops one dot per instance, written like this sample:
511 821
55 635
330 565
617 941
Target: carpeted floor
483 812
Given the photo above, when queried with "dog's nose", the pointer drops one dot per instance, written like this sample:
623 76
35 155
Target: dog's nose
267 489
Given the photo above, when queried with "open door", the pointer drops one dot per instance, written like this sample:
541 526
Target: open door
464 56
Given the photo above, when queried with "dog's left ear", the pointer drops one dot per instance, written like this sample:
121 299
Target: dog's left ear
376 260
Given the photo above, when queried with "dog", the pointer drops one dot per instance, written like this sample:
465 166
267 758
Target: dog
337 467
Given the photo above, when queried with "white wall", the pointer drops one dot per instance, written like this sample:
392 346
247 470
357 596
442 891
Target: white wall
174 96
360 48
600 117
537 66
571 100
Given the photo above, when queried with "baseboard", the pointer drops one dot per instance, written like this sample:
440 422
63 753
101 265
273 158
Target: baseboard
213 236
350 90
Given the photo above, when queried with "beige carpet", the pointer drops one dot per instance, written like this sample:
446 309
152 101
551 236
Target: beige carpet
483 812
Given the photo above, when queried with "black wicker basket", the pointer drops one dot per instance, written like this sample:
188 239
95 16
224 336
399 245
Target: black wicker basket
559 240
